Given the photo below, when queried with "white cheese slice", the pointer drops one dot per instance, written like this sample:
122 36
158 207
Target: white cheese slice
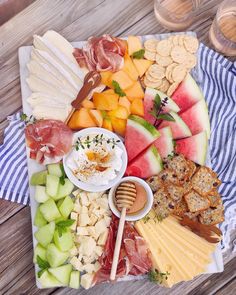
37 98
45 112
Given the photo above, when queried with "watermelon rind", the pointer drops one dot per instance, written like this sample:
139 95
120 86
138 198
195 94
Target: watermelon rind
155 159
199 143
171 105
164 143
143 126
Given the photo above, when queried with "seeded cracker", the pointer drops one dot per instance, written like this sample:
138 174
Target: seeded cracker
191 44
178 54
196 202
164 47
150 45
157 71
149 55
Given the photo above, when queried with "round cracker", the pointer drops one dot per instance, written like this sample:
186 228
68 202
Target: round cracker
164 47
149 55
164 85
175 40
191 44
172 88
150 45
178 54
169 70
163 61
156 71
190 61
181 40
151 84
151 78
179 72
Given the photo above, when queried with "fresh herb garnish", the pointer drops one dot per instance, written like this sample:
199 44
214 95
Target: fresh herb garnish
155 217
138 54
63 225
117 88
174 143
43 265
158 105
28 120
146 218
158 277
98 139
62 178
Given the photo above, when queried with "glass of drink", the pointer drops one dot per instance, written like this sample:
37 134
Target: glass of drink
176 15
223 29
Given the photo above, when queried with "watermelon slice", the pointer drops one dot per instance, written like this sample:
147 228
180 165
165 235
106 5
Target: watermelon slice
149 97
147 164
187 94
138 136
178 128
197 118
193 148
164 143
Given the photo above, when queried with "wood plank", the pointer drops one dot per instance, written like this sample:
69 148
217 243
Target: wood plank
228 289
8 209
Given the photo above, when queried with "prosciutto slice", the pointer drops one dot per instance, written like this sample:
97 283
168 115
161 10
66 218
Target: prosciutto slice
134 256
48 140
102 54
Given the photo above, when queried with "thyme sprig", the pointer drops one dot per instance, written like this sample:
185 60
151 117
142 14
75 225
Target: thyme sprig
28 120
98 139
157 109
158 277
156 218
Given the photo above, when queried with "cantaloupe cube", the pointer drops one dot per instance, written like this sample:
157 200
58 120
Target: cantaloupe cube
135 91
119 125
107 124
123 79
134 44
88 104
137 107
106 101
142 65
81 119
123 101
120 113
97 117
106 78
130 68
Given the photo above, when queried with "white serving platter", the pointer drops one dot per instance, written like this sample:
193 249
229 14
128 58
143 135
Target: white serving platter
24 57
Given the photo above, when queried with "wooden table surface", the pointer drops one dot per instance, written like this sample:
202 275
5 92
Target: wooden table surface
77 20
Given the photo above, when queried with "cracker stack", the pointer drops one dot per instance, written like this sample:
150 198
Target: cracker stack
174 58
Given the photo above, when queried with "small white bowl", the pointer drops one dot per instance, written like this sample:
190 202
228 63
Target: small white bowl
140 214
90 187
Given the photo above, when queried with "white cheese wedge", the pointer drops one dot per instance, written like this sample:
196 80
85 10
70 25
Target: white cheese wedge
102 238
98 250
84 219
93 219
84 199
87 247
86 280
74 216
82 231
76 263
77 207
100 226
38 98
84 209
43 112
89 268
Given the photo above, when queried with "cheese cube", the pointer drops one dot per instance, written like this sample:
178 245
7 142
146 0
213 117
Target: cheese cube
84 209
86 280
93 219
73 251
84 219
100 226
92 196
98 250
89 259
76 192
103 203
107 220
102 238
97 266
81 239
84 199
77 207
82 231
74 216
87 247
92 232
76 263
89 268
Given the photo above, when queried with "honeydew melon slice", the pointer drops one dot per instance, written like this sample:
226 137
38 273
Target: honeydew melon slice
149 97
44 235
39 251
64 189
66 206
193 148
52 185
49 281
54 256
74 279
39 220
63 242
49 210
139 135
164 143
179 128
55 169
62 273
39 178
40 194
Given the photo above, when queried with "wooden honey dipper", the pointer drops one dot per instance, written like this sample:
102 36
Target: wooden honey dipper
125 196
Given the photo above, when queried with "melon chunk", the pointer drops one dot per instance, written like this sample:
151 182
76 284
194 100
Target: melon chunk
118 125
123 101
49 281
107 100
134 44
164 143
106 78
107 124
149 97
135 91
81 119
137 107
97 117
45 233
139 135
142 65
193 148
123 79
54 256
146 164
88 104
39 251
120 113
187 94
197 118
178 128
130 68
74 279
39 220
62 273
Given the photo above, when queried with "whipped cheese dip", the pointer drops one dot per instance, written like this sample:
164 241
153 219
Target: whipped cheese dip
95 163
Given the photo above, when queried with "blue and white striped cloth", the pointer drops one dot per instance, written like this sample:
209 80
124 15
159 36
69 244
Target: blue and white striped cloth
217 78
